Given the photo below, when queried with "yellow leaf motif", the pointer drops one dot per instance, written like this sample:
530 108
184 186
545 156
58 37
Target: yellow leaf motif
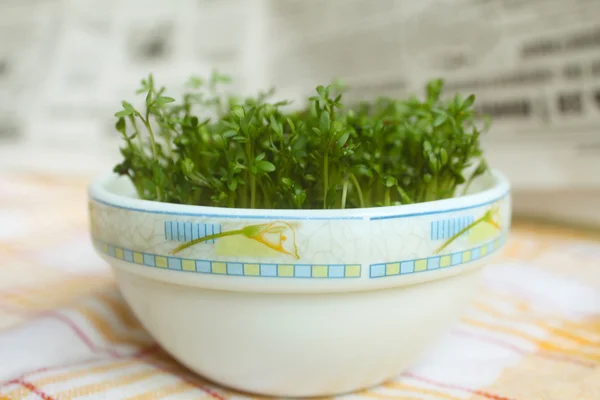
278 235
491 216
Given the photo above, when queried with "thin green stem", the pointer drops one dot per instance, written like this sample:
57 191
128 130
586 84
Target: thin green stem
356 185
252 191
344 192
266 199
137 131
248 172
387 197
252 181
466 188
206 238
148 126
325 177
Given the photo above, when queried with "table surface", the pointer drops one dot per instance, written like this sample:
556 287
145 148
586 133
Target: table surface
533 332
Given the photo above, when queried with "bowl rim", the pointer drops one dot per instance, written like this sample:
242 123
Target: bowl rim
98 191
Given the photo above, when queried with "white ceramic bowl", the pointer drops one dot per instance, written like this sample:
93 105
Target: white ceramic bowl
298 303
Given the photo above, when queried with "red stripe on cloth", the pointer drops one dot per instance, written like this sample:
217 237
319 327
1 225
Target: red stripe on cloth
66 320
80 333
33 389
456 387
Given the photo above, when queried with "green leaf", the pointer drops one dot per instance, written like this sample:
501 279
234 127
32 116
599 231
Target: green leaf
291 125
187 166
443 156
259 157
127 106
120 125
427 146
276 126
342 140
220 78
195 82
150 187
439 120
390 181
468 102
123 113
264 166
321 90
229 134
432 162
434 89
239 111
338 126
165 100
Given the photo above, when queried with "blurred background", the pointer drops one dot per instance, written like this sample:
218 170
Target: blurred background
534 65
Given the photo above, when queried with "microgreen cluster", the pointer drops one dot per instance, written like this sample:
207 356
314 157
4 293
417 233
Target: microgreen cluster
217 150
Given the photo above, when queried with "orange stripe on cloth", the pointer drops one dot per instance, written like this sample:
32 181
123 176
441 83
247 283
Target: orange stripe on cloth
177 388
540 323
444 385
586 327
540 343
108 332
47 295
419 390
120 309
382 396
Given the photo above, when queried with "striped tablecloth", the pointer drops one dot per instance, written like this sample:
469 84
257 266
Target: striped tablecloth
65 332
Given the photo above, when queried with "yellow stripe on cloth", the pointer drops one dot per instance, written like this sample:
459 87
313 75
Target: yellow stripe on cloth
108 332
177 388
562 332
109 384
43 296
120 309
66 376
419 390
540 343
375 395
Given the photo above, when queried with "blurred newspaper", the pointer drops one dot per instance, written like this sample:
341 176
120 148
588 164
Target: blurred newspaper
533 64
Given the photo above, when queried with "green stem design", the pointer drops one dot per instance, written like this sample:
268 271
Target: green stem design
462 231
206 238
